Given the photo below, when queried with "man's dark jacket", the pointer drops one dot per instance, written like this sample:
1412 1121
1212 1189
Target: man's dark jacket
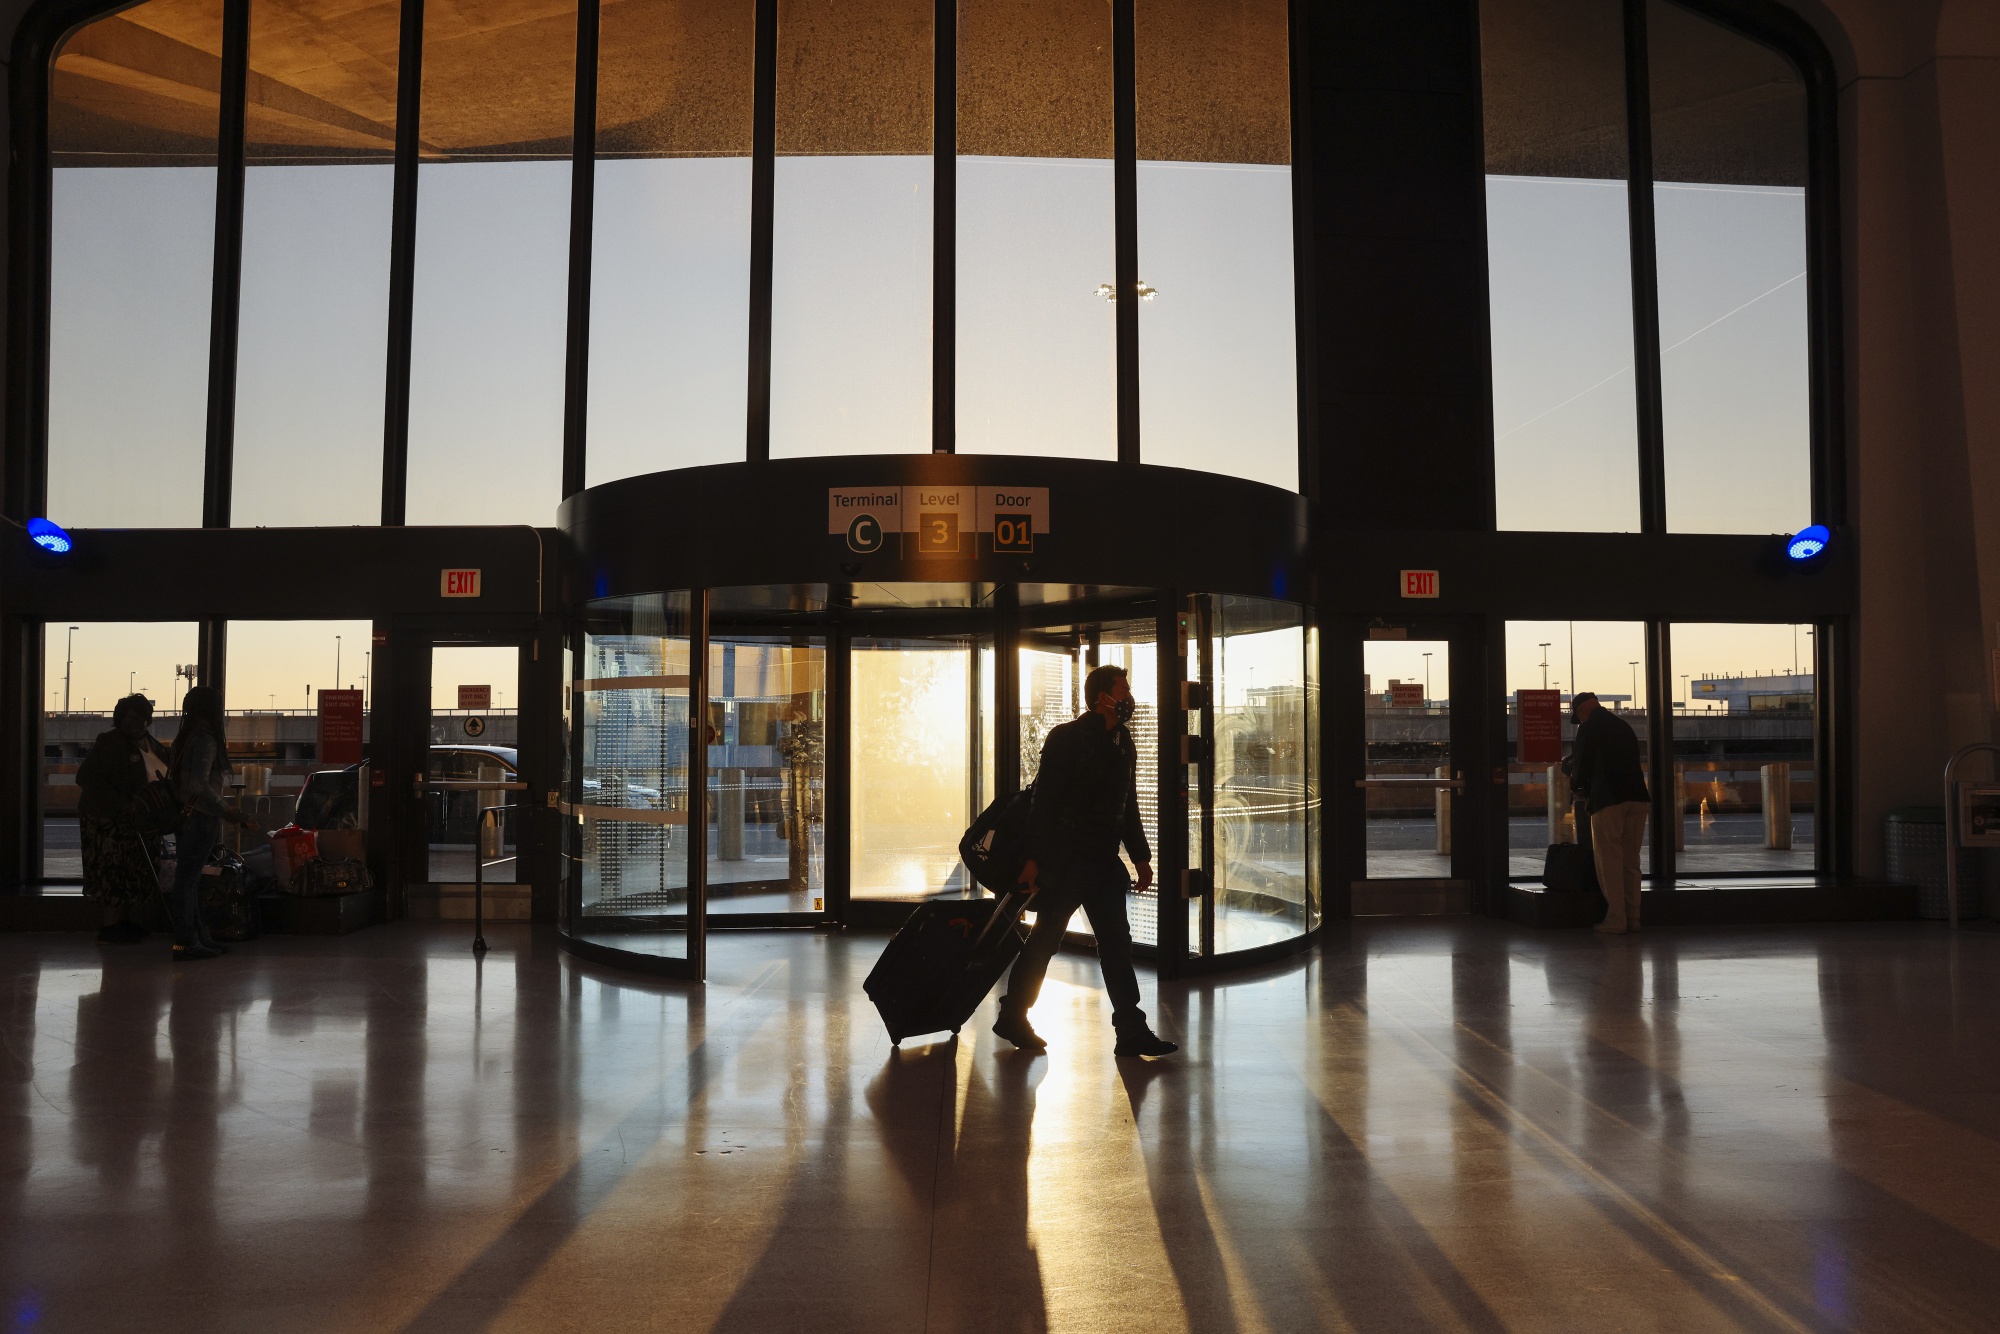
1607 769
1086 796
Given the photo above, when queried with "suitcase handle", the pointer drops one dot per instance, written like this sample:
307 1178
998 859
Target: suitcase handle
1000 909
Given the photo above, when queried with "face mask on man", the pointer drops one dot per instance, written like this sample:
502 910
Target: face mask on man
1125 708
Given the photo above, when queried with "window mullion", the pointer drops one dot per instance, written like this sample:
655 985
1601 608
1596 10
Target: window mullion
763 181
227 277
944 229
1645 273
1125 221
582 217
402 264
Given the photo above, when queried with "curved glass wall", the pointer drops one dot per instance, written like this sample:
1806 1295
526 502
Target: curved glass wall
631 800
743 296
848 742
1218 371
670 249
1260 662
851 235
1037 351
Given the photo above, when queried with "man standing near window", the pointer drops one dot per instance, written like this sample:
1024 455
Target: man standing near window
1608 775
1086 804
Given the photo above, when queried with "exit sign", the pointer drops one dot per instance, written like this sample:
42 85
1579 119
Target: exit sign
475 697
458 584
1420 583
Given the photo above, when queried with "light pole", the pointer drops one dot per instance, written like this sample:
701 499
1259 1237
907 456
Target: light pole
1635 682
130 677
1545 666
69 656
1686 699
336 662
367 663
1427 680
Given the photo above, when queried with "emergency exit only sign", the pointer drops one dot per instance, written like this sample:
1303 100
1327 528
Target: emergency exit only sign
1420 583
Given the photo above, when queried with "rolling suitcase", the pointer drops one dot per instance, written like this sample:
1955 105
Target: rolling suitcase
937 969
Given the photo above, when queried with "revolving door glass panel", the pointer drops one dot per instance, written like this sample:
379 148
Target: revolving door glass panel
912 773
1256 815
766 772
632 802
1054 661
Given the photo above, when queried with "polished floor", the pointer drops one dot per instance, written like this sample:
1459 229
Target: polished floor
1430 1125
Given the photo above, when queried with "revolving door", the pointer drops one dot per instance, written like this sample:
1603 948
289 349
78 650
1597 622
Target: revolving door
779 756
751 749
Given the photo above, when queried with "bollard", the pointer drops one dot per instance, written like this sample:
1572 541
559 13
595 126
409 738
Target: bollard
1680 808
1443 814
729 817
1777 779
1560 828
486 823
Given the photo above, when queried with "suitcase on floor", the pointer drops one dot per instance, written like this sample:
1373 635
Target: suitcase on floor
1569 868
937 969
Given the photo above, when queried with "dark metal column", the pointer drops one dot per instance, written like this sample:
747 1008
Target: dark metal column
763 184
944 229
697 806
1171 791
1645 273
582 215
1666 815
1125 222
402 263
1007 691
226 301
839 768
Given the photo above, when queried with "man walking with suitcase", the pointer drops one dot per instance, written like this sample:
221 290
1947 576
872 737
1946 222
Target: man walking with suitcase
1086 804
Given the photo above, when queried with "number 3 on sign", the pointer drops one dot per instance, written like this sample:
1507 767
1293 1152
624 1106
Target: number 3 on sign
1013 533
937 533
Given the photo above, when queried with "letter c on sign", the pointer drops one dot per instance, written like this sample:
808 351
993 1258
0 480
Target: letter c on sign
864 534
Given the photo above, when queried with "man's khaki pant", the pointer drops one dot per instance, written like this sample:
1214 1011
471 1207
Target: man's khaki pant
1615 835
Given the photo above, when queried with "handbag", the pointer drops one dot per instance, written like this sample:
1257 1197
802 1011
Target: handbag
157 808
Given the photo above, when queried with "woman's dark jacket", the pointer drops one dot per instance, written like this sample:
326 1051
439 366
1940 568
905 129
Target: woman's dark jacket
111 775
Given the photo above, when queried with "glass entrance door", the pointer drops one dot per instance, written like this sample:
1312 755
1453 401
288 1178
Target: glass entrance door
1408 712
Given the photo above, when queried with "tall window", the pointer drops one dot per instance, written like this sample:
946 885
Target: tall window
1727 231
319 148
1565 418
670 258
133 107
1037 347
1217 349
851 265
1729 199
487 337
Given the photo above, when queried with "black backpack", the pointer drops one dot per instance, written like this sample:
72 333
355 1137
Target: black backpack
996 845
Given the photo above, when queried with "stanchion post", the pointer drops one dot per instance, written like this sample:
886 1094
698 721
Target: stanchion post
479 880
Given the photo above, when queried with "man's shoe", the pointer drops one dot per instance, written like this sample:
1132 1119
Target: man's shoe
1013 1026
215 947
1143 1041
192 953
1607 929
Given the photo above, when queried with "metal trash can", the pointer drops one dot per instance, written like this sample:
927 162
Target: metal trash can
1914 839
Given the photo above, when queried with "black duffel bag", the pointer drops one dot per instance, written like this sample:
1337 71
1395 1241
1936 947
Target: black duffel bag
1569 868
996 846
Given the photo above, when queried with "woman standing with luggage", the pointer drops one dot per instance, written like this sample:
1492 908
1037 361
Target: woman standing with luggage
120 856
200 767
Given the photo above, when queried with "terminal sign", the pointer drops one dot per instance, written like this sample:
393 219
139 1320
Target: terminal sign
945 519
1420 583
459 584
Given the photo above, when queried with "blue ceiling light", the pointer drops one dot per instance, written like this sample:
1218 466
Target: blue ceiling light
48 536
1808 542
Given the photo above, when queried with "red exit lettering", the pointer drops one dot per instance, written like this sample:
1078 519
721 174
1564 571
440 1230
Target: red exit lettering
459 584
1420 583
